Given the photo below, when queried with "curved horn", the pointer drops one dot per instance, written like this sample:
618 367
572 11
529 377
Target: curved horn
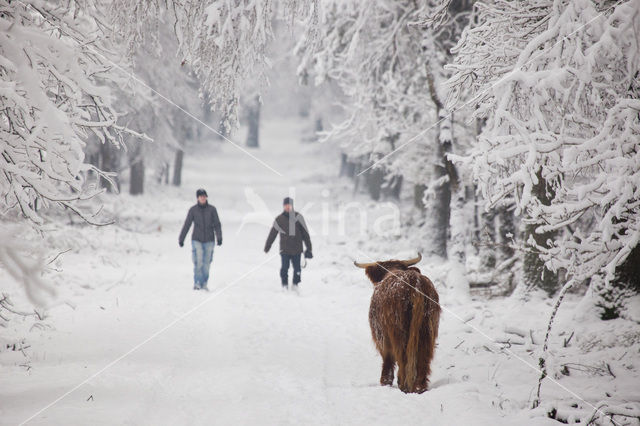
363 265
413 261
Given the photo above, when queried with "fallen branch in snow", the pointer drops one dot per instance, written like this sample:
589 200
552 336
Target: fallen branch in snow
490 278
468 317
610 372
40 326
488 349
510 340
57 256
603 409
566 341
18 347
533 341
603 370
495 245
7 305
515 330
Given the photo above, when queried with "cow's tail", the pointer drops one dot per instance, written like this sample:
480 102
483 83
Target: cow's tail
416 329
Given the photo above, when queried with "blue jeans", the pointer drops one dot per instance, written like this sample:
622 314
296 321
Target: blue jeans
294 259
202 257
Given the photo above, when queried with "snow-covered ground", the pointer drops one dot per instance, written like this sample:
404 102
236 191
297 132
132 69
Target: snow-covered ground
127 340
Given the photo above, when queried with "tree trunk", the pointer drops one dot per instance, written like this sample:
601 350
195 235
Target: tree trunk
347 167
253 120
163 176
177 168
535 274
136 186
459 227
506 231
109 162
374 179
440 207
488 239
457 276
611 298
393 186
628 272
304 105
444 174
223 129
343 165
418 196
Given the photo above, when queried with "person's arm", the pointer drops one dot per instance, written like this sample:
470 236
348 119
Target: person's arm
271 238
217 226
185 227
305 233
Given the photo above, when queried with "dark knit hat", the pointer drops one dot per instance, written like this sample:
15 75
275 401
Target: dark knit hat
200 192
287 200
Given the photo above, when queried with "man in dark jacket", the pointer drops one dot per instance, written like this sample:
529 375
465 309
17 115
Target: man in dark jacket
206 230
293 231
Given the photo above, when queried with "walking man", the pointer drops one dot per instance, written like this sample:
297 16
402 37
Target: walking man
206 230
293 231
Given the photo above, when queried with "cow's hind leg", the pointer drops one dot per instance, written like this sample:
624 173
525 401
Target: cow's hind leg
425 355
422 380
401 357
388 365
402 377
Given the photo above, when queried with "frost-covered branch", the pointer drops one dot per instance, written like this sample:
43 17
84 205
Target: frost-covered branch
224 42
379 61
52 98
558 84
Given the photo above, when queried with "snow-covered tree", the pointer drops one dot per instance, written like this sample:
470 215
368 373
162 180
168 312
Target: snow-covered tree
388 59
559 84
56 61
166 89
52 69
378 61
223 41
54 66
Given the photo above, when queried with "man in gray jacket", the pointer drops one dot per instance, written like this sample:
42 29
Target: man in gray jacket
206 230
293 231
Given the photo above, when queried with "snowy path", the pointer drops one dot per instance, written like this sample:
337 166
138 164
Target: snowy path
246 353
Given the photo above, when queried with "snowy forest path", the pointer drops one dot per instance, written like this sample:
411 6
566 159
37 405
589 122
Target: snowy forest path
244 353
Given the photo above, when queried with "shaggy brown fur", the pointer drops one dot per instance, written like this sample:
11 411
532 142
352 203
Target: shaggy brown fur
404 323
